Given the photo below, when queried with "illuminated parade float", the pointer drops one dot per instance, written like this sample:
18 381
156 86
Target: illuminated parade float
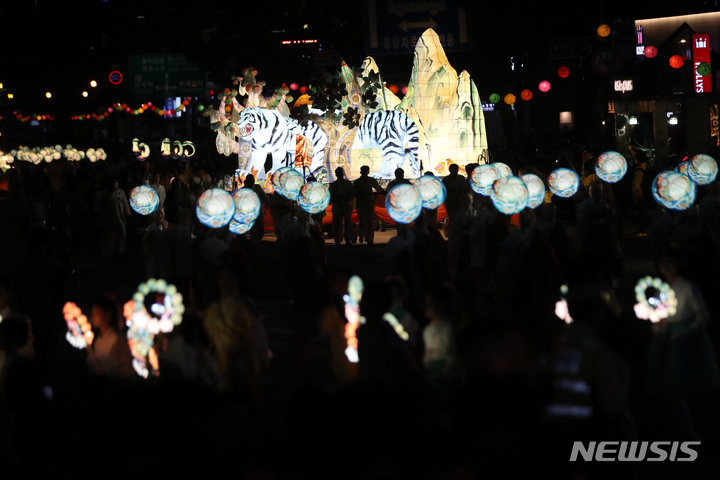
438 122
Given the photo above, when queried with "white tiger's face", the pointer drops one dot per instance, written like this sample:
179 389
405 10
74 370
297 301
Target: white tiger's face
245 123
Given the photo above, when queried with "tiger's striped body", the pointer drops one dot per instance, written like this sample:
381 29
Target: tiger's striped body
397 137
270 132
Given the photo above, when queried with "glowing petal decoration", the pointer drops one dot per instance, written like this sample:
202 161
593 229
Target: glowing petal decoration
674 190
509 195
658 307
432 190
564 182
352 314
314 197
536 189
611 166
166 313
144 199
483 177
215 208
79 333
397 326
404 203
703 169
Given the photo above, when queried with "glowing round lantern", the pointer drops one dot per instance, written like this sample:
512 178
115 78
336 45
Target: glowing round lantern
404 203
503 169
676 61
144 199
510 98
526 95
683 167
247 205
611 166
290 181
564 182
294 86
703 169
494 98
483 177
603 30
240 228
544 86
394 89
674 190
276 179
432 191
509 195
314 197
215 208
563 72
536 189
650 51
703 68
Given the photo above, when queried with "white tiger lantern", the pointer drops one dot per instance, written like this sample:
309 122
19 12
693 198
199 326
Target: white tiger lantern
269 132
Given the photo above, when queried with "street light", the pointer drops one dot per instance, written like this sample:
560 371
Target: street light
48 94
93 83
84 94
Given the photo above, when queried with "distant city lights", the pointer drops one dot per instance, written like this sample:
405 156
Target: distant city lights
298 42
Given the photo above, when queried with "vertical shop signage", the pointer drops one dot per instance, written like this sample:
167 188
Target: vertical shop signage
701 53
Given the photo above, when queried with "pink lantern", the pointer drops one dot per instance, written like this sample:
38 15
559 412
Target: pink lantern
544 86
650 51
294 86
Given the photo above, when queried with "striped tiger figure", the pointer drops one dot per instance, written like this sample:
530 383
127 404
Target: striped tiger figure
397 137
269 133
315 136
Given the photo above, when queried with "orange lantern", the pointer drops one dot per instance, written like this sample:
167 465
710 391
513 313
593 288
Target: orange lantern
563 72
394 88
526 94
603 30
510 98
676 61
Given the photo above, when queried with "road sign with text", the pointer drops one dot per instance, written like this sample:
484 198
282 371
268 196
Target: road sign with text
394 26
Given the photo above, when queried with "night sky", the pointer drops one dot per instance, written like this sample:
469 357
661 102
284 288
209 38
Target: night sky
60 46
